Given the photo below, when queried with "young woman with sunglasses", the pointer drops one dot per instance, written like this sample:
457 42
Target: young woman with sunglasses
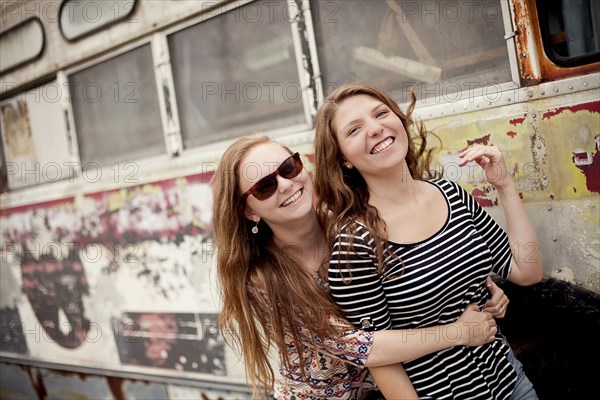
411 253
271 266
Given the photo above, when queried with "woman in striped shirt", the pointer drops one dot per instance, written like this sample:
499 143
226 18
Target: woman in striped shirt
272 265
410 252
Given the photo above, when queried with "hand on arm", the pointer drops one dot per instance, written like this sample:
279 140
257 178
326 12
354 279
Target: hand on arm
527 264
473 328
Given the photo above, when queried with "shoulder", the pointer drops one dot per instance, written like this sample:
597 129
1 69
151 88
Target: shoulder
355 230
354 238
445 185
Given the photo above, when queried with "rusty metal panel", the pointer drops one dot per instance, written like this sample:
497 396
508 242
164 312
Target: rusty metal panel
15 383
144 390
552 148
70 386
178 392
535 67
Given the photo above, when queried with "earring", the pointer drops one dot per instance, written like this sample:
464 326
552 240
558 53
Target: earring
348 165
255 228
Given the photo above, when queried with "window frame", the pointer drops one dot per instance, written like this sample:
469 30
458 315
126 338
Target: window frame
91 32
37 56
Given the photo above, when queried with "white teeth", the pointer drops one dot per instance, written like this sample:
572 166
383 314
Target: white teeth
382 146
292 198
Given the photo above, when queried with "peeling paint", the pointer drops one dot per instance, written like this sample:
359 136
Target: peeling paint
565 274
482 198
591 169
517 121
539 153
484 140
591 107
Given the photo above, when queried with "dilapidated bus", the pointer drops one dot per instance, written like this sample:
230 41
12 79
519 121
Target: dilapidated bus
113 116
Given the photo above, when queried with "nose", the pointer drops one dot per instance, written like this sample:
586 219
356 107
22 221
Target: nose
283 184
374 128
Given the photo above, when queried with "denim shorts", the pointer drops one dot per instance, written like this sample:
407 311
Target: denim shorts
523 388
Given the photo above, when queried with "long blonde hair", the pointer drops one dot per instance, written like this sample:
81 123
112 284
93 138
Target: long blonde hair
343 192
265 289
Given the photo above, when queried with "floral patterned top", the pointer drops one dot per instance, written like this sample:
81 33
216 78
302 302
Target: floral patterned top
334 365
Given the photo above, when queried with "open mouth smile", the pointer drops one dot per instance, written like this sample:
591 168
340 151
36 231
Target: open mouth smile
379 147
292 198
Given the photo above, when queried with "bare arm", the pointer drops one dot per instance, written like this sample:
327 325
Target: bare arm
393 382
527 264
473 328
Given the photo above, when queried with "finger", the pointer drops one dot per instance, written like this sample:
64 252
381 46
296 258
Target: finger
489 284
470 154
473 307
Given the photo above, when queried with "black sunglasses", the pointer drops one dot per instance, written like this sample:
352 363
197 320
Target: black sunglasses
265 187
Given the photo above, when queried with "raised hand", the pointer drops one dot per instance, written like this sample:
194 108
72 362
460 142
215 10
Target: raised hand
489 158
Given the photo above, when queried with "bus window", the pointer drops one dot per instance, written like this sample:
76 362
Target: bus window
445 47
21 44
570 30
79 18
116 111
34 132
236 73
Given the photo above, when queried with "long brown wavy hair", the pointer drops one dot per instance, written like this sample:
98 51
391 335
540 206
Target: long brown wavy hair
265 289
342 192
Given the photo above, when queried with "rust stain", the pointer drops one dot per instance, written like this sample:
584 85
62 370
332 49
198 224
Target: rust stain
37 382
591 107
116 387
205 397
517 121
512 134
529 41
539 152
525 23
485 140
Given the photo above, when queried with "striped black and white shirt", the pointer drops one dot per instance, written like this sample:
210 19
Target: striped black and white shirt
435 280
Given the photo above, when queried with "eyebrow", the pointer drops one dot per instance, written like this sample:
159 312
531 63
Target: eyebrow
359 119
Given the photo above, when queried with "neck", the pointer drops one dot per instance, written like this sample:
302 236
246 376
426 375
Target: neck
392 188
306 237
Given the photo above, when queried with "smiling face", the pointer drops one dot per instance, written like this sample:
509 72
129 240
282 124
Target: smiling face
370 135
292 200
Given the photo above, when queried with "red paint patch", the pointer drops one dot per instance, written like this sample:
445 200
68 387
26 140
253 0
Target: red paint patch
512 134
481 197
591 107
485 140
517 121
591 172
